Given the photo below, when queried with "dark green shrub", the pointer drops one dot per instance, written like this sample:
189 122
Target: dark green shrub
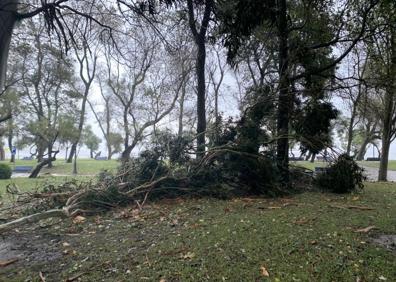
5 171
343 176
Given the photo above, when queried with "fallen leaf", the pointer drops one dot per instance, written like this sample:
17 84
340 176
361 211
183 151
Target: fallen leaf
301 221
4 263
355 198
382 278
41 275
188 255
264 271
162 280
79 219
66 244
314 242
366 230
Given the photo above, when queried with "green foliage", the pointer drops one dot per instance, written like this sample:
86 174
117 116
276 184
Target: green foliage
5 171
148 166
313 126
172 147
343 176
90 139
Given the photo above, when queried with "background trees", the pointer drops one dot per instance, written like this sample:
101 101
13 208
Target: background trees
137 60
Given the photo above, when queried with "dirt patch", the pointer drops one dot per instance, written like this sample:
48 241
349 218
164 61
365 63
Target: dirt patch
387 241
29 248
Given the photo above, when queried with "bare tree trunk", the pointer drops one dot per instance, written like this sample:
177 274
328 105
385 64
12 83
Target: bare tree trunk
38 168
201 111
109 151
80 126
75 163
2 152
40 152
362 150
284 95
181 111
350 130
389 111
50 155
7 21
10 143
199 35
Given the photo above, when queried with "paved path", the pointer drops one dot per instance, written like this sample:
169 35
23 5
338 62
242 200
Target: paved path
372 174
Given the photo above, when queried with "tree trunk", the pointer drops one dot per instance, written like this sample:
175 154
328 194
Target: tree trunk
80 125
75 163
350 131
91 153
67 149
7 21
362 150
38 168
50 156
284 96
313 158
201 111
40 152
2 152
10 145
109 152
126 129
72 152
181 111
389 111
126 154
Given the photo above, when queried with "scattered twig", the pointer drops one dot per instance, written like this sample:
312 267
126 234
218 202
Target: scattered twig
42 278
352 207
365 230
8 262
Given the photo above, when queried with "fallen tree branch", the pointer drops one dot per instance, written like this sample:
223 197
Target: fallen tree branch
353 207
33 218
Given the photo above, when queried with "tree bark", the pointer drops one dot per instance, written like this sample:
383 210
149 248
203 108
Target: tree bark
7 21
201 91
362 150
2 152
200 38
284 95
389 111
10 142
350 130
38 168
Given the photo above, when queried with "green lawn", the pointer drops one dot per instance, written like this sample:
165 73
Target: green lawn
26 184
84 166
308 164
391 164
307 237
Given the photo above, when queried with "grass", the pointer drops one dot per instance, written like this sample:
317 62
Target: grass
300 238
309 165
391 164
84 166
26 184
